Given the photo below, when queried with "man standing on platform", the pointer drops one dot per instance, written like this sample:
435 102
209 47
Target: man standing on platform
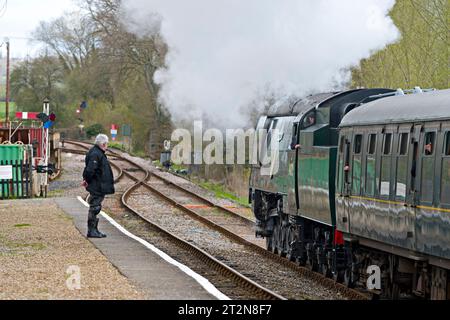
98 181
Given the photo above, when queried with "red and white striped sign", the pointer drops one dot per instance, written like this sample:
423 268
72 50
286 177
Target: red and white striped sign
114 131
27 115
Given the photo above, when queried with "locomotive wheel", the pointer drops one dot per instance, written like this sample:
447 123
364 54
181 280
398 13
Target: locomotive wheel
326 271
338 276
348 278
301 261
393 291
289 244
269 243
282 251
290 256
275 236
312 264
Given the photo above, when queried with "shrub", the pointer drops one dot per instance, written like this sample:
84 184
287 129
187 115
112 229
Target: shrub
94 130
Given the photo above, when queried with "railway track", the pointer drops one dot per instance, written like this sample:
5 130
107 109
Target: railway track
246 288
224 223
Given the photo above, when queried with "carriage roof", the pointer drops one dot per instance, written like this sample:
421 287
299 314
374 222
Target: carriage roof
419 107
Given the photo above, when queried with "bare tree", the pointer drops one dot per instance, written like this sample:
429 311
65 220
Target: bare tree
71 38
132 54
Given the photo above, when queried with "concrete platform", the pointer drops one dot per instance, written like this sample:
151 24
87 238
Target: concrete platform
146 269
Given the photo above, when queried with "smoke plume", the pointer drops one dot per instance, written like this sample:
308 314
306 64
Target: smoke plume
224 53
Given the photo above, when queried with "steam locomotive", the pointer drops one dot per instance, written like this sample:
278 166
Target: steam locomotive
363 180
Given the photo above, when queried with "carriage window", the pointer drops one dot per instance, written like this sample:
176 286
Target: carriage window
403 145
427 182
347 163
370 176
447 144
358 144
371 166
445 180
429 142
385 183
372 144
402 167
387 144
356 167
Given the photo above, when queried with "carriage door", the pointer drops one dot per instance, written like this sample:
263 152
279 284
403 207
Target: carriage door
414 160
344 183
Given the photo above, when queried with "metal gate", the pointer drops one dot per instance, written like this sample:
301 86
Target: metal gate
16 172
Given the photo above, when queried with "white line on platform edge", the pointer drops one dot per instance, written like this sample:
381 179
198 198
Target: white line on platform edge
208 286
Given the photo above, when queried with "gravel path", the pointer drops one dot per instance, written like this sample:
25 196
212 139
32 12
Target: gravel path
38 244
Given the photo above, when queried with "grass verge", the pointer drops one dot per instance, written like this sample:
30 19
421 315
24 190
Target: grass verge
223 193
121 147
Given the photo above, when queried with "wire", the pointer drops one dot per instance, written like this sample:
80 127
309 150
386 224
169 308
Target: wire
19 38
3 8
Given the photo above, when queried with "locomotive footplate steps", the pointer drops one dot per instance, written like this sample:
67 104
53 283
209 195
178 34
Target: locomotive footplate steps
146 268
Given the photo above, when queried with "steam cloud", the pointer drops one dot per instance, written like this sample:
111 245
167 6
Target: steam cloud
225 53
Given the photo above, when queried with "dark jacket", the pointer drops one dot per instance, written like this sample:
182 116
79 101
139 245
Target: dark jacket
98 173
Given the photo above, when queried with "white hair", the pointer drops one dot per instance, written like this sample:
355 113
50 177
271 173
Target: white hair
101 139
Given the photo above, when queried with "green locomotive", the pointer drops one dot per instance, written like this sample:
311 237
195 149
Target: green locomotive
327 206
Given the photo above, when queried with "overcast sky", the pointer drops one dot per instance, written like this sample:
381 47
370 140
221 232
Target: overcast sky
23 16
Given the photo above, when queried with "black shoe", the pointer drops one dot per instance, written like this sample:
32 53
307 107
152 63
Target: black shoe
92 229
102 235
95 235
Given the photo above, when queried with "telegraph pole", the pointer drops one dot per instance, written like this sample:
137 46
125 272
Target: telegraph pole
7 83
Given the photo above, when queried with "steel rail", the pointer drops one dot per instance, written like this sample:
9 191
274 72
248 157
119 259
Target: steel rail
317 277
204 200
205 257
191 193
327 282
250 285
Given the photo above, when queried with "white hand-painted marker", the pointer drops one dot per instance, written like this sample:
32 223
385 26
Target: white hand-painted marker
204 283
74 281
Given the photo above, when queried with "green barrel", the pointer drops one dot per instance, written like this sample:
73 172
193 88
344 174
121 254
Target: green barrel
12 155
